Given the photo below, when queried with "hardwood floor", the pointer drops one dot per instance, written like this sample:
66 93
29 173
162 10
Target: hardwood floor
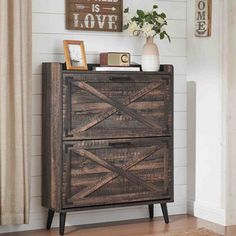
142 227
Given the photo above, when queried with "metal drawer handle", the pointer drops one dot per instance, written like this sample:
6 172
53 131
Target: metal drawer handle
124 144
120 78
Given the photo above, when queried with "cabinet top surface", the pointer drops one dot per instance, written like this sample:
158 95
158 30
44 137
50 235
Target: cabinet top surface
164 69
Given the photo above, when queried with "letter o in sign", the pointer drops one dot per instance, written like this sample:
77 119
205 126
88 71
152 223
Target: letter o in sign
201 5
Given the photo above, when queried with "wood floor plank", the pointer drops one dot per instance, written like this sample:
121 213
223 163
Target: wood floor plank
142 227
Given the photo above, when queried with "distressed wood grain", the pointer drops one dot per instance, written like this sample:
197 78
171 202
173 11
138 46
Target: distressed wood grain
129 107
106 142
203 18
94 15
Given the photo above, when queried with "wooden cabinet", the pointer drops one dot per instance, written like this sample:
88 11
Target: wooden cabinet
107 139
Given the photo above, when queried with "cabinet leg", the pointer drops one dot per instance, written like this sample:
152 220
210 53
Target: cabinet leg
165 212
50 218
151 210
62 222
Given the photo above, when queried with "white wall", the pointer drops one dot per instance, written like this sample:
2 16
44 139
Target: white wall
48 34
231 104
204 63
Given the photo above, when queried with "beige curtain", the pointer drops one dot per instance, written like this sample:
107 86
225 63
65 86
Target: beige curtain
15 110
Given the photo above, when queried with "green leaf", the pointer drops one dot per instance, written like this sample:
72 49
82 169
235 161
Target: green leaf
125 27
141 13
163 15
151 17
162 35
155 14
148 19
126 10
156 29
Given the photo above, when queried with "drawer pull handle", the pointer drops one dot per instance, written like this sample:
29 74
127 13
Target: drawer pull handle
119 78
124 144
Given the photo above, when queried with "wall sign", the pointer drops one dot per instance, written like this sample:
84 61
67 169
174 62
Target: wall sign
203 14
95 15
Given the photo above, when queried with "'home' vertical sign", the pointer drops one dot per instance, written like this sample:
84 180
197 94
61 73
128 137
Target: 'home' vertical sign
203 14
94 15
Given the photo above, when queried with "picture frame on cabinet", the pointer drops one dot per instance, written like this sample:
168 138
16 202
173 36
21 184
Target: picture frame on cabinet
75 56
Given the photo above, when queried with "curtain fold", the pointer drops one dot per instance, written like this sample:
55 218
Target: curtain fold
15 110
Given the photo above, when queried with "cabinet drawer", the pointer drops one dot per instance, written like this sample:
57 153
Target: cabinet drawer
116 171
100 106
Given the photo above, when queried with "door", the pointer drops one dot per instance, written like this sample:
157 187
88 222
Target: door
100 106
116 171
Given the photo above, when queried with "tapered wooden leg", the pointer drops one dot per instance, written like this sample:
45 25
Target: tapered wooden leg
50 218
62 222
151 209
165 212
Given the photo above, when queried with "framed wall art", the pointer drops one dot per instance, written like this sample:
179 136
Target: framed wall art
75 55
203 15
94 15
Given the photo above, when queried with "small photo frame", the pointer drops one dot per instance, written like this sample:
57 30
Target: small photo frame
75 55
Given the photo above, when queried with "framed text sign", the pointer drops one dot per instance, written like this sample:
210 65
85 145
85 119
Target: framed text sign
203 14
95 15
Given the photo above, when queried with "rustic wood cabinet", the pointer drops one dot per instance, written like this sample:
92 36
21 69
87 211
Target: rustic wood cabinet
107 140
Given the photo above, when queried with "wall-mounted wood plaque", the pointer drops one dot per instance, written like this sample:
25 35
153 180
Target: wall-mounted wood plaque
203 15
94 15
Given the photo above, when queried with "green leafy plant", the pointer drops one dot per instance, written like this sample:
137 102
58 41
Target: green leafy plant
148 24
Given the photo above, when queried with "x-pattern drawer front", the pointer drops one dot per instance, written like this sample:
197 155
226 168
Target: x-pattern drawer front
131 108
116 171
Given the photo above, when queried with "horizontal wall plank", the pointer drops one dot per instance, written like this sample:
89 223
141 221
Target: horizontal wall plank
180 193
36 166
180 85
180 157
37 104
36 149
36 183
45 24
36 124
37 83
51 43
173 9
180 102
180 120
180 177
36 205
180 138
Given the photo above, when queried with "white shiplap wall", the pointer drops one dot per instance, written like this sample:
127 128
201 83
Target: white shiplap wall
48 33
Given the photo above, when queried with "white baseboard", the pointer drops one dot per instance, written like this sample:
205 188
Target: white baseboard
231 219
190 207
38 221
204 211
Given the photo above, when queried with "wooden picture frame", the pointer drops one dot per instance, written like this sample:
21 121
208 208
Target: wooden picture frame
75 55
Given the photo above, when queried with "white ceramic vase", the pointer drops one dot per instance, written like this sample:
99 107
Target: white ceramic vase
150 56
